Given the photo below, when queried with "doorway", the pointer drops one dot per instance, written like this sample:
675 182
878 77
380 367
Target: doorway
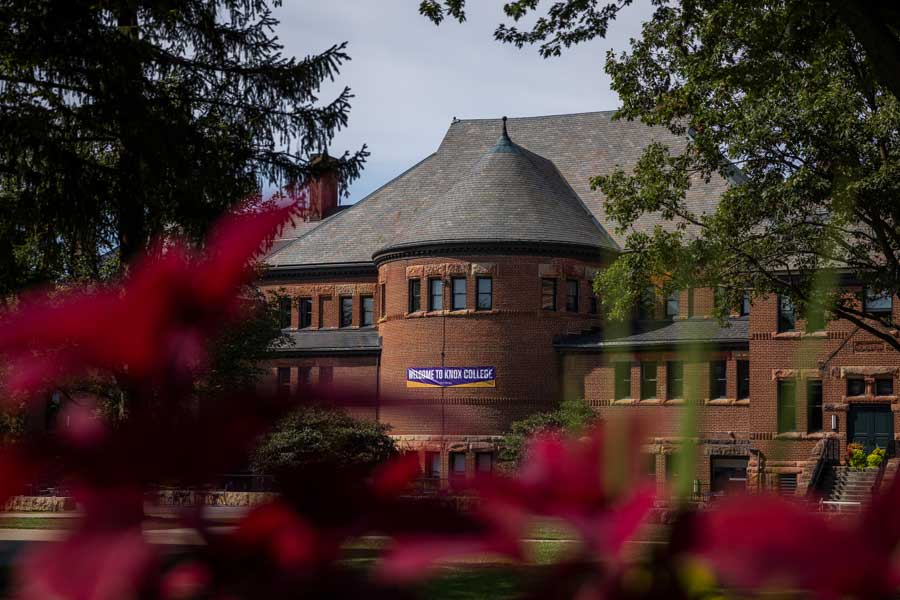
871 425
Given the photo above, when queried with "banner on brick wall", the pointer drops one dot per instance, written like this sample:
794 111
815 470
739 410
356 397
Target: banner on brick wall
450 377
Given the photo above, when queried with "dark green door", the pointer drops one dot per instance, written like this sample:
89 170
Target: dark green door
872 426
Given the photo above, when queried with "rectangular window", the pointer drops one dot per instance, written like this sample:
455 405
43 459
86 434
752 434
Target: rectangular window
383 301
572 295
415 295
485 289
672 467
284 312
743 379
745 304
814 405
623 380
648 380
433 464
367 304
856 386
787 405
484 462
594 304
326 375
672 305
435 294
878 302
718 379
304 376
458 465
884 387
548 294
674 380
346 311
787 317
459 293
284 380
305 312
649 461
690 295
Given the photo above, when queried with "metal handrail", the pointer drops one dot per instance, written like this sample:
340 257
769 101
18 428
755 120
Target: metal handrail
828 456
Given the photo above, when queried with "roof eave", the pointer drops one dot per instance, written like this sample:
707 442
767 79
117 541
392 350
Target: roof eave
729 344
489 246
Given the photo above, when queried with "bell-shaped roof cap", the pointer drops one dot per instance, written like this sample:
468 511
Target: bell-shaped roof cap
509 195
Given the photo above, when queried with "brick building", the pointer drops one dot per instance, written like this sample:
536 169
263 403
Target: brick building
457 299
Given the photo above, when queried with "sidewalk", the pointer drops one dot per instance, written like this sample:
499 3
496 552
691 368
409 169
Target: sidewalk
212 513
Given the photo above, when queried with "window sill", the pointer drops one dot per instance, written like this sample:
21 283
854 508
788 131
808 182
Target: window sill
720 401
624 401
650 401
675 401
796 335
799 435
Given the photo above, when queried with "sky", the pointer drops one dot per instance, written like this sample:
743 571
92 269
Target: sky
410 77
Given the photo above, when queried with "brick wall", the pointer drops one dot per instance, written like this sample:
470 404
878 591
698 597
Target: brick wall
325 296
515 336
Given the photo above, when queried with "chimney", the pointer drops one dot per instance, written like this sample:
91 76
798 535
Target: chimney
323 187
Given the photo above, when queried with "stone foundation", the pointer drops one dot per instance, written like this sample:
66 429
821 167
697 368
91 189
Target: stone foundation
39 504
210 498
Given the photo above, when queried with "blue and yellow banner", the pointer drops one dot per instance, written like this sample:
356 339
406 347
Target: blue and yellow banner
418 377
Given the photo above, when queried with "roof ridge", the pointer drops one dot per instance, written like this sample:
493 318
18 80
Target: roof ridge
575 114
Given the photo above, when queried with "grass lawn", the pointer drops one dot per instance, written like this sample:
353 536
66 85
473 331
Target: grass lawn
71 522
38 522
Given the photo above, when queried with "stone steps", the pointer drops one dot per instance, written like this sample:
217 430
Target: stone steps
847 490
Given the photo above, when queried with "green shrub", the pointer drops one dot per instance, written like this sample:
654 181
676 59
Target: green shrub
857 456
875 458
570 417
311 439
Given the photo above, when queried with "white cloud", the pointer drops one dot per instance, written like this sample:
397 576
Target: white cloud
411 78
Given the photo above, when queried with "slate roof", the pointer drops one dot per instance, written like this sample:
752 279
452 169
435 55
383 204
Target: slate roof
510 194
662 333
362 340
579 146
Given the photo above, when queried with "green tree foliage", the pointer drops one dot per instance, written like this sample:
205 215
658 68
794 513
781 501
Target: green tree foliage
795 104
792 101
571 416
875 25
314 438
122 120
235 355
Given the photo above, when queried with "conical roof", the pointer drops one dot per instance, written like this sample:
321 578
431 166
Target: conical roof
509 195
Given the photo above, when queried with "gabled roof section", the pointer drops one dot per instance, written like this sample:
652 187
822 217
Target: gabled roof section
509 195
579 146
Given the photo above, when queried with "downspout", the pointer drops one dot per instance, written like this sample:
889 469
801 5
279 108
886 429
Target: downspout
378 387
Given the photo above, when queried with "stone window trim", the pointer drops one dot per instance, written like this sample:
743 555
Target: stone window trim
797 335
869 375
796 374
